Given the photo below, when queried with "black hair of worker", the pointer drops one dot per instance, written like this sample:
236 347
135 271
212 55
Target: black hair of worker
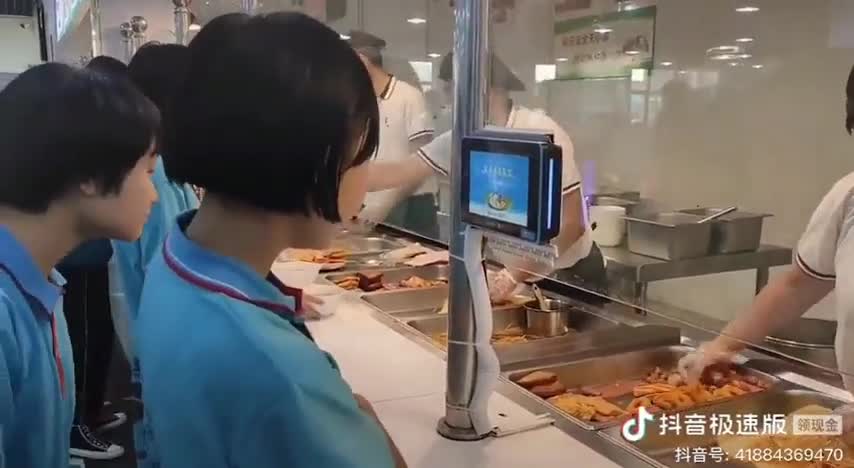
108 65
500 75
849 102
61 127
270 115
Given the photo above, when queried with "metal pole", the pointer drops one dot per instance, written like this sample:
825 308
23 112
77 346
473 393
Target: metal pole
95 20
249 6
127 39
139 25
182 21
470 56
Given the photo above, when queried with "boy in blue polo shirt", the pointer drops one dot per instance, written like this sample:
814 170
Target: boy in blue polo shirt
230 374
76 156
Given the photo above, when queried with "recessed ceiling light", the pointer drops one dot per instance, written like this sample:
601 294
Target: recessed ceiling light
195 27
733 64
630 7
724 49
744 39
344 37
666 64
747 9
723 57
758 66
434 55
632 52
416 20
744 56
682 72
602 29
561 59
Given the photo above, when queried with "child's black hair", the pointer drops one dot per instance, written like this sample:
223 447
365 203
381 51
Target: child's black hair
61 126
108 66
271 113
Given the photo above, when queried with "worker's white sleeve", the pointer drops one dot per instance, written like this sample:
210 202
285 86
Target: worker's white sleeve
816 253
437 153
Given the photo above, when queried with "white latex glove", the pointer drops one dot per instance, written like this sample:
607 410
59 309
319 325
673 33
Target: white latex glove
847 413
708 354
502 285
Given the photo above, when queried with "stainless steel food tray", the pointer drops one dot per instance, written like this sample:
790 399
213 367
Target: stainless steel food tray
394 275
738 231
579 322
624 366
358 245
413 303
660 450
668 236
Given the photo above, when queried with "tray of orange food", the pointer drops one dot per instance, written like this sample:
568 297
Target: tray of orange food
605 391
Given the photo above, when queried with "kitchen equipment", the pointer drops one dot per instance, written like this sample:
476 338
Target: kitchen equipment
717 215
734 232
538 295
610 224
669 235
611 368
629 205
806 333
357 245
659 449
547 317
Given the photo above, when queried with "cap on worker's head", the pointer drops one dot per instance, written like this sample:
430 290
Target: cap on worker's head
365 40
368 45
500 75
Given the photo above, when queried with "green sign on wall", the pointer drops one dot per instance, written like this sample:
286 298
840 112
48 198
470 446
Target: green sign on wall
605 46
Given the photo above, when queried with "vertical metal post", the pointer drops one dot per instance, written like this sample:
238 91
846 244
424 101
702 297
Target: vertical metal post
95 20
182 21
249 6
127 40
470 86
139 26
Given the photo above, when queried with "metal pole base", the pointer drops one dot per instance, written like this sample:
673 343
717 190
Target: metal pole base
458 434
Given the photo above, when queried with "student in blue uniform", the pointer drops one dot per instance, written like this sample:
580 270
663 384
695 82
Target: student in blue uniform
90 327
157 70
76 157
275 121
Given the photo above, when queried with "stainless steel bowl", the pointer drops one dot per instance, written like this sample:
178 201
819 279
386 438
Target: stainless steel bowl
549 322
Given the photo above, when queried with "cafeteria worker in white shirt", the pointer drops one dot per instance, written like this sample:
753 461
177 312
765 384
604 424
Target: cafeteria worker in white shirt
823 262
579 259
405 126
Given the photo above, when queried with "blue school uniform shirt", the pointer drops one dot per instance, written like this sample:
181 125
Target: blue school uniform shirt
132 258
231 378
36 366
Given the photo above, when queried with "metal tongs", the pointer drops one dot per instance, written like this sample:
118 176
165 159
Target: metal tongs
717 215
538 294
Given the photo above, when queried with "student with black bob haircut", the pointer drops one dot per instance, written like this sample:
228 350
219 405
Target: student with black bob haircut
275 121
76 155
90 326
158 70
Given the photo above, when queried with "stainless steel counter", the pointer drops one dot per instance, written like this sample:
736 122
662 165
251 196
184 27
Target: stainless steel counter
639 270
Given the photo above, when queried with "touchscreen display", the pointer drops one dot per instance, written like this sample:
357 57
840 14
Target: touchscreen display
498 186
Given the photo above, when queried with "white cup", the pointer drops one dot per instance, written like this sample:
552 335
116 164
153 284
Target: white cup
610 224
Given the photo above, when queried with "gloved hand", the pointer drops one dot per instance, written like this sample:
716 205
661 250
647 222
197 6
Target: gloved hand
710 354
847 413
502 285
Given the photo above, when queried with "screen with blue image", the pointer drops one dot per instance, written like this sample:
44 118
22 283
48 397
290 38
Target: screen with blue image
498 186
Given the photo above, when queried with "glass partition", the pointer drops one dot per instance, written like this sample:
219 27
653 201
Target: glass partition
677 110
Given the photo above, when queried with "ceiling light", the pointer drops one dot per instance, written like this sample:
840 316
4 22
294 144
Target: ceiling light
416 20
195 27
682 72
733 64
666 64
747 9
632 52
561 59
724 49
628 6
758 66
602 29
744 39
744 56
723 57
434 55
